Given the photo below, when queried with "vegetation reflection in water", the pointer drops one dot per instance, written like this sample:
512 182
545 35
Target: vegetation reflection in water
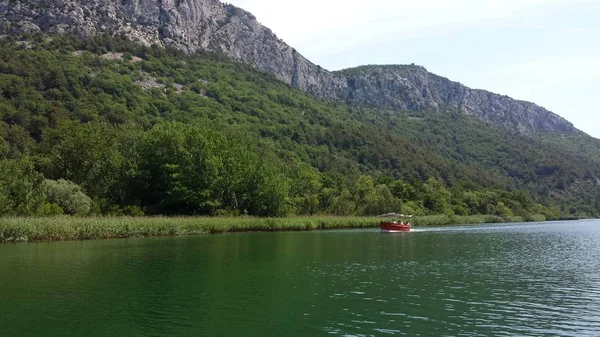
534 280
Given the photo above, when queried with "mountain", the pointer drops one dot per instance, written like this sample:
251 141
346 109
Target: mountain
209 25
194 108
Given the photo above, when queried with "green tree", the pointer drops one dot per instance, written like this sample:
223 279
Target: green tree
373 200
177 171
436 197
86 154
306 188
343 204
21 187
502 210
4 149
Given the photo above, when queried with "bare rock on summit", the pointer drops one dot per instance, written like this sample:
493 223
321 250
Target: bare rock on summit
412 87
193 25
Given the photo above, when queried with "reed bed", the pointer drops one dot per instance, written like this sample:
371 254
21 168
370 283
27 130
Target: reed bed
24 229
445 220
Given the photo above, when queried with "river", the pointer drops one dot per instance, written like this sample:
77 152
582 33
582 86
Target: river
512 279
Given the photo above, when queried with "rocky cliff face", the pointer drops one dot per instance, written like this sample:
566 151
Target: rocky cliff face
414 88
193 25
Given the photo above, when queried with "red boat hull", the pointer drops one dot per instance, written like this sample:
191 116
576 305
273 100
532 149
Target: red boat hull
394 227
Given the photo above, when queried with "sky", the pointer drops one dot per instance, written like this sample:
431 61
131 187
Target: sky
543 51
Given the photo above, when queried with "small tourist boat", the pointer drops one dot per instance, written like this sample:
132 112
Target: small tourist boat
396 226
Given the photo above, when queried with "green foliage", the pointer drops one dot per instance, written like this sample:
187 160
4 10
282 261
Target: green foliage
21 188
374 199
307 189
188 169
86 154
68 196
48 209
502 210
4 149
436 197
196 134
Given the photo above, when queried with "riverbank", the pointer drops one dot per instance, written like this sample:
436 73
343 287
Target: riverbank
93 228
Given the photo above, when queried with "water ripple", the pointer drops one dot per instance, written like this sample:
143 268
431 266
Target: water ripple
532 280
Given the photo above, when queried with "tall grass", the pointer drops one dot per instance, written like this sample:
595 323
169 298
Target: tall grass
22 229
445 220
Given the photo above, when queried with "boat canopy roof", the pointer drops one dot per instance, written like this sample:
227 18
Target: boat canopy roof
395 215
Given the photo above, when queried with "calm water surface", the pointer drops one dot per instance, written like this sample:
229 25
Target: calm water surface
533 280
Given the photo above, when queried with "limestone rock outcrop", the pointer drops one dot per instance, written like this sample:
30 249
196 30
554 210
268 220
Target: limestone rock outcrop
194 25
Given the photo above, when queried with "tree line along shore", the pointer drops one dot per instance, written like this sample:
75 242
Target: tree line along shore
156 132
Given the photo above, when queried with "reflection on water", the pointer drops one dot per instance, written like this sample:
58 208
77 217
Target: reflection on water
534 280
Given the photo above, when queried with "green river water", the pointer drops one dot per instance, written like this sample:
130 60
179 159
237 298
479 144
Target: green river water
516 280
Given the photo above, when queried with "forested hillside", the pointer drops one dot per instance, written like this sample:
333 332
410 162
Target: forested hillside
106 126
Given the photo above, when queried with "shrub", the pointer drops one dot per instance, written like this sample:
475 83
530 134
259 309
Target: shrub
133 211
68 196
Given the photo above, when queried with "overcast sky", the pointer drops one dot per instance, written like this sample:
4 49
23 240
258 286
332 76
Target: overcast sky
544 51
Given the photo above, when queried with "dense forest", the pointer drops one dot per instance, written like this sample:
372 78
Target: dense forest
107 126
